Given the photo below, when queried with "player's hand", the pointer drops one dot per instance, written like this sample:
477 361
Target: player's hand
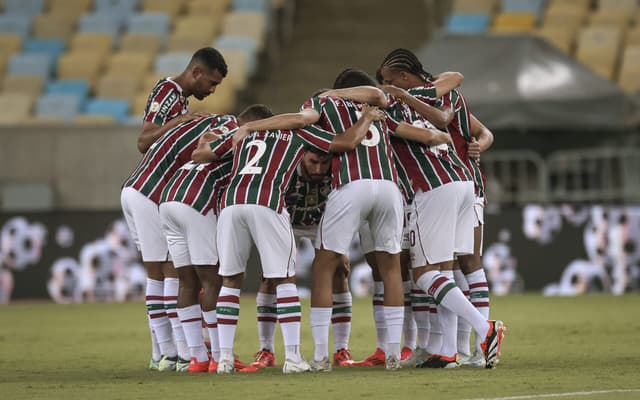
192 115
474 149
240 134
394 91
372 113
208 137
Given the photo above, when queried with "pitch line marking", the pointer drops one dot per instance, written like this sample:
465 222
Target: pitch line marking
541 396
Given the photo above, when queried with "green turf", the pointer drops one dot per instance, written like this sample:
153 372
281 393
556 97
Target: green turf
553 345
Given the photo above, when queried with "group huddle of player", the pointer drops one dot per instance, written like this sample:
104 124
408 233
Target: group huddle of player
394 159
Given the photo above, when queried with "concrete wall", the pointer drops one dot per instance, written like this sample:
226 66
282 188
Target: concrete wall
83 166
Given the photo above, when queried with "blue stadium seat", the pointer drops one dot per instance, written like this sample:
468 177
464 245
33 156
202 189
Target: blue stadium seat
529 6
23 7
39 64
251 5
118 109
102 23
172 62
244 43
467 23
122 7
150 22
76 87
58 105
18 24
53 47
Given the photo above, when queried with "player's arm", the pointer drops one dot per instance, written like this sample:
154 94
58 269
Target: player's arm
438 116
446 82
430 137
361 94
353 136
481 138
204 152
304 117
152 132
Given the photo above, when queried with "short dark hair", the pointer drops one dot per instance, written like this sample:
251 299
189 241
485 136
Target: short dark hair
255 112
316 151
352 77
209 58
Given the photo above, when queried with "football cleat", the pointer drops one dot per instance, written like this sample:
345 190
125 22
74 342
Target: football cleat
493 342
292 367
392 363
342 358
225 366
323 365
475 360
264 358
419 355
213 366
182 365
374 360
237 364
167 363
405 353
153 364
438 361
196 367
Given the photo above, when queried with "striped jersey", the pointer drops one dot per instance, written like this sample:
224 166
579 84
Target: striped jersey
427 167
170 152
165 102
306 200
200 185
460 131
372 158
263 163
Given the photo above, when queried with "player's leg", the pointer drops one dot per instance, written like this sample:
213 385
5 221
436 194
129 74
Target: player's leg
267 315
464 328
211 283
409 328
341 315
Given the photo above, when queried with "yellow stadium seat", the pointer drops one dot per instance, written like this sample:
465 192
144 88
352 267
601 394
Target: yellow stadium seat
563 13
210 8
514 22
599 48
69 7
609 17
561 37
487 7
238 64
139 104
10 43
81 65
633 36
197 24
189 41
630 6
140 42
93 119
246 23
27 84
54 26
15 108
92 42
48 120
170 7
149 81
118 87
129 63
221 102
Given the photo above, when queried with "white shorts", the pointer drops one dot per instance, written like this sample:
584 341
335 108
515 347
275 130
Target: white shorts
309 232
191 236
241 226
478 208
379 202
366 240
143 219
443 225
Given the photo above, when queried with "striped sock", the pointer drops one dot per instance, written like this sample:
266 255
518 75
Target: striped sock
446 293
378 314
211 323
464 327
191 321
409 328
171 287
479 294
158 317
448 325
267 318
289 315
421 310
341 320
227 312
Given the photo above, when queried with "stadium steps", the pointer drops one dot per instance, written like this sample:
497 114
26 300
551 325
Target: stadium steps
331 35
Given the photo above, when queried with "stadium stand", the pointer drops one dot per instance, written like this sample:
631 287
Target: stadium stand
116 108
26 84
62 105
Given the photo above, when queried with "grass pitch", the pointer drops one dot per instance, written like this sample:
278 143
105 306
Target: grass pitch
587 344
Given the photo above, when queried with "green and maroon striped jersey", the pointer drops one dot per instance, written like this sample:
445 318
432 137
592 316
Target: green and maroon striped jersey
170 152
263 163
306 200
165 102
200 185
372 158
460 131
428 167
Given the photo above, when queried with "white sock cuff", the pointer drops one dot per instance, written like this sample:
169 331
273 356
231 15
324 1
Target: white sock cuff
265 299
448 273
476 276
424 282
342 297
155 287
320 316
287 290
189 312
227 291
378 287
407 286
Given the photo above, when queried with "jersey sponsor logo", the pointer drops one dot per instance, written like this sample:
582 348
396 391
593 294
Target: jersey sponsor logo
155 106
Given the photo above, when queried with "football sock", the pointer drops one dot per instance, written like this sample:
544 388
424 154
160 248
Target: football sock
171 287
289 315
227 312
191 321
267 318
479 294
421 311
211 323
394 317
320 317
158 317
448 325
409 328
378 314
341 320
464 328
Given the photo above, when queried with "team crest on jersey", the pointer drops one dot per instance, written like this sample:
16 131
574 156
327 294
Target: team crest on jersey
324 190
224 130
155 106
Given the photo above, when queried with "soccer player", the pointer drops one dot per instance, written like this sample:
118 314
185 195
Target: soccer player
306 198
140 197
167 105
253 213
444 217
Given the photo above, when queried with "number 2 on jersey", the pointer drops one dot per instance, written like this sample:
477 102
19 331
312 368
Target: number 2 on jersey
250 168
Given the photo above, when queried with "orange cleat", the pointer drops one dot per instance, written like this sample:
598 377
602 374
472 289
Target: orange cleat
196 367
405 353
342 358
213 366
264 358
374 360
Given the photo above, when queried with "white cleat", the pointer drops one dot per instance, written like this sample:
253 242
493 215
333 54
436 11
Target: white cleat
392 363
293 367
418 355
323 365
225 366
